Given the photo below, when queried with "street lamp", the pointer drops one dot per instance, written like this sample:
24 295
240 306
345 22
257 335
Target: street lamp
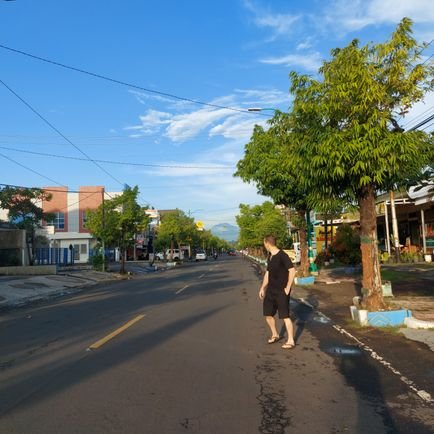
261 109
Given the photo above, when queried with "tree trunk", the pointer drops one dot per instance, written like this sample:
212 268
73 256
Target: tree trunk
371 284
171 250
304 260
122 270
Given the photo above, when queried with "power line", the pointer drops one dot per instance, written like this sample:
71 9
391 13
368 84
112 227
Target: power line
124 83
29 169
422 123
58 131
119 162
66 190
421 115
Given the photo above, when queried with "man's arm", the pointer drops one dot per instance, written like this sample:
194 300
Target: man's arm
291 275
263 288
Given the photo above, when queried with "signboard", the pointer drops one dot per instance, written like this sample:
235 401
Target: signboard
199 225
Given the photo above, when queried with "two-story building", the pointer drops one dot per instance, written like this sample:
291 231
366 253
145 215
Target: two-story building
69 225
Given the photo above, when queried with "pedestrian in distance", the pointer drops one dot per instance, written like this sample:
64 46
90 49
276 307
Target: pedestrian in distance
275 291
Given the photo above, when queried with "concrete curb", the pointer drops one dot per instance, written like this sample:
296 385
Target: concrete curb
413 323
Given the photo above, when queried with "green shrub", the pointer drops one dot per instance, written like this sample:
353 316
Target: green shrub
96 261
346 247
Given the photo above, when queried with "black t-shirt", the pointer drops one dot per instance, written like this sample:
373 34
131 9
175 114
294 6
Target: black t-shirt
278 266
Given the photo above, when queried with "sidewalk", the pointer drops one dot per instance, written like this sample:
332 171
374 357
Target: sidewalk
20 290
413 289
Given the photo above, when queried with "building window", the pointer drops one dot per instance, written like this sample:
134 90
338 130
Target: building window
84 219
59 220
83 249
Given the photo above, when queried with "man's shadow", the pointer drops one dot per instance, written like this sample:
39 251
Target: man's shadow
300 315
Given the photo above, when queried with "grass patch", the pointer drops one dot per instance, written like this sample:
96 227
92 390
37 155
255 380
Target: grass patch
397 275
394 330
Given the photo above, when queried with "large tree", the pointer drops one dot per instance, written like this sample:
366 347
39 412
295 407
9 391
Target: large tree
355 147
117 221
24 206
271 161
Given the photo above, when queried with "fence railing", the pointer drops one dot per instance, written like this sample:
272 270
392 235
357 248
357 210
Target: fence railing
53 255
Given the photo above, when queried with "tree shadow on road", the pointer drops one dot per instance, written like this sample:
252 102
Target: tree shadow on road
48 380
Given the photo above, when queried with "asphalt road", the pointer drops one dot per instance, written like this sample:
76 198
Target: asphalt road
194 360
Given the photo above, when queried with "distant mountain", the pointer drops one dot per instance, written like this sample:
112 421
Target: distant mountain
226 231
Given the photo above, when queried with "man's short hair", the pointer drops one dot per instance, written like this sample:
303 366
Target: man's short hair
270 239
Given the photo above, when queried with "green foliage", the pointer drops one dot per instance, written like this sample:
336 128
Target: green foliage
255 222
97 262
116 221
346 246
177 227
349 137
24 206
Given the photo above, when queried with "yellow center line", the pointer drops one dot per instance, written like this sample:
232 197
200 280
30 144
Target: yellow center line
104 340
182 289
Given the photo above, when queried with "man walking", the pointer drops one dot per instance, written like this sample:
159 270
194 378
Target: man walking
275 291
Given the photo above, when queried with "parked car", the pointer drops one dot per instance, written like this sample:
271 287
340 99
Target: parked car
201 256
159 256
174 255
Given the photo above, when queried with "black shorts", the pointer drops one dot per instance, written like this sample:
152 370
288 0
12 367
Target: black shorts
276 302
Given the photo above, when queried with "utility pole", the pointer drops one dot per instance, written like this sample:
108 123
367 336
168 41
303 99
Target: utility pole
395 234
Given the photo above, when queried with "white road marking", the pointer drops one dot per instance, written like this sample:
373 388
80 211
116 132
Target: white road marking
182 289
425 396
200 277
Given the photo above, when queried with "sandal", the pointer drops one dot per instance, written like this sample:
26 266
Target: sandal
274 339
288 346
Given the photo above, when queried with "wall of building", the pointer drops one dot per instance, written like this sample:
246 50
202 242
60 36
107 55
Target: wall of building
58 203
90 199
73 201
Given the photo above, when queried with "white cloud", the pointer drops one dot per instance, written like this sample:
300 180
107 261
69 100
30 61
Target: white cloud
273 97
150 123
235 127
223 122
186 126
304 45
373 12
280 24
309 62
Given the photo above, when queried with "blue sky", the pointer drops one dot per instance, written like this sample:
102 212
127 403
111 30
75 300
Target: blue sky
234 53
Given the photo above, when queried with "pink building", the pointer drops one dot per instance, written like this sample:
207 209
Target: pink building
69 225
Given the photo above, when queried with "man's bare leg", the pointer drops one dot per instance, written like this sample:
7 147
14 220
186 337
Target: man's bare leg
289 330
272 324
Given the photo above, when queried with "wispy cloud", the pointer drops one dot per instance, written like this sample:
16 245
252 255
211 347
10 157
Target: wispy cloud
213 122
279 24
373 12
186 126
309 62
305 44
